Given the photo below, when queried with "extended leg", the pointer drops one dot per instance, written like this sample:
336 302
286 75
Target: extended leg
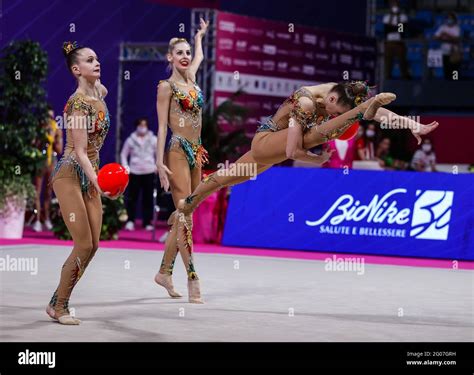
270 148
242 170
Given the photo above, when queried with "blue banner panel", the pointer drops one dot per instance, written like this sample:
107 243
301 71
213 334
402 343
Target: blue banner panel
388 213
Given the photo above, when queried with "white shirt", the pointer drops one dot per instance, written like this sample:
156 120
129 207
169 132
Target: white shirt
394 20
453 31
428 161
142 152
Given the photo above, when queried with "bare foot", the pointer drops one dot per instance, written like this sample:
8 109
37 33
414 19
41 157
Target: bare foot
376 102
423 129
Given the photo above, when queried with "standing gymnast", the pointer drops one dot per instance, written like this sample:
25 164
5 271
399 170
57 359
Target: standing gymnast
74 180
179 106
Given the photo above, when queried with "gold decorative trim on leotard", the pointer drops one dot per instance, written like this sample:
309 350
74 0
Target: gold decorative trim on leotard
189 105
304 118
98 124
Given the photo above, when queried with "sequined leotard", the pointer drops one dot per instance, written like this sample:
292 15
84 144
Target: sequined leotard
185 123
292 108
98 123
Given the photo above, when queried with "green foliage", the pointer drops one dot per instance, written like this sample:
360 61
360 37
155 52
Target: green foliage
23 108
15 190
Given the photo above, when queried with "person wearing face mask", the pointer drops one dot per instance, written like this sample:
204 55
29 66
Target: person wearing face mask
394 45
424 159
140 147
365 145
450 34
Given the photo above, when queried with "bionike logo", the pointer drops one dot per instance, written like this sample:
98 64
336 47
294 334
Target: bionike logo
431 215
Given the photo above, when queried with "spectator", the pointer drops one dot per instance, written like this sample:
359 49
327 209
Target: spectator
343 155
384 157
394 45
424 159
51 146
450 34
141 147
365 145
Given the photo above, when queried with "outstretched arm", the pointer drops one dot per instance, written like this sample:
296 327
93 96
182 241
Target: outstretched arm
384 116
198 53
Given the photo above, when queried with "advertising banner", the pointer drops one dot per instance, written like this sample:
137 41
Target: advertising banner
387 213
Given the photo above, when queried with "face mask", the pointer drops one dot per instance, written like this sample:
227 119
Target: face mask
142 130
394 9
369 133
426 148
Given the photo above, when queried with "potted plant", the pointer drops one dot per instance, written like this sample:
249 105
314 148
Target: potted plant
23 108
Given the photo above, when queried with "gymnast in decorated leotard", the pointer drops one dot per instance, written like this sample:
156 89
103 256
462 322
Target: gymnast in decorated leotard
179 106
74 179
311 116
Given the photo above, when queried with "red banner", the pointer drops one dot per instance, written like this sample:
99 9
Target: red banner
270 59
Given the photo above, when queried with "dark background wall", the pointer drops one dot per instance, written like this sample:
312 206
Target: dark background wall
103 24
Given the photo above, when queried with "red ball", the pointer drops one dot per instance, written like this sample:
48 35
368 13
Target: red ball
350 133
113 178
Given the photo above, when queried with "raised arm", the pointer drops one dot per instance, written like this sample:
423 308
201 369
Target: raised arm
198 53
384 116
162 108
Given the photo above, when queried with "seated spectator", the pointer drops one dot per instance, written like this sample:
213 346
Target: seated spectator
394 45
424 159
385 158
450 34
365 145
343 155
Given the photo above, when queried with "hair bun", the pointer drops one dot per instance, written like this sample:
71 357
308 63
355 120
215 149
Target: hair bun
174 41
359 88
68 47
